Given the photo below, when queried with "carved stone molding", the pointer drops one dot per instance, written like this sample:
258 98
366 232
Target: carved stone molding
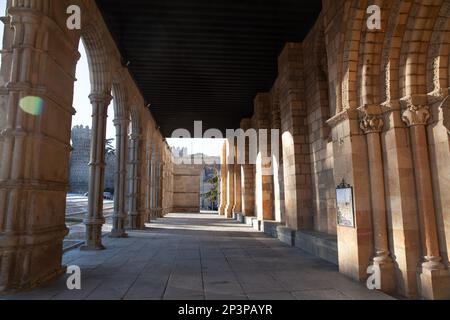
416 115
348 114
103 98
372 119
415 110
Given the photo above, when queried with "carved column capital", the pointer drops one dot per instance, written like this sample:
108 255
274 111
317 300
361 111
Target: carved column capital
371 118
416 115
415 110
100 98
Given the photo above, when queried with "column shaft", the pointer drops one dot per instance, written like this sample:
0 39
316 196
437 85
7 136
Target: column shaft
425 190
223 182
377 195
238 191
372 124
94 218
434 278
34 151
136 221
119 218
230 191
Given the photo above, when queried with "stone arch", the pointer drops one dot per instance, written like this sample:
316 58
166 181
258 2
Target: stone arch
352 34
438 71
414 49
99 59
370 48
135 119
320 56
120 99
391 51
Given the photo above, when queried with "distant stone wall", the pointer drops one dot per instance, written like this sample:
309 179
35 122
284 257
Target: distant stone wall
186 188
79 162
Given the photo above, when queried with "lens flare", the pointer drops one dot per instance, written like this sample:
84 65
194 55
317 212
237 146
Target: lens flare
32 105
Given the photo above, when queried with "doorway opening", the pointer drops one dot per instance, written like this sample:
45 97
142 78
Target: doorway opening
196 174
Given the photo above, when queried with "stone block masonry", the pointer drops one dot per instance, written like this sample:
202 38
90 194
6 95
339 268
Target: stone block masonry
79 161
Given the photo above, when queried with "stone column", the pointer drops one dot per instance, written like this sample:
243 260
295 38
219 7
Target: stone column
223 181
267 184
230 182
434 278
135 221
237 186
264 174
247 177
120 215
34 150
94 218
372 125
158 189
295 139
277 163
148 188
152 186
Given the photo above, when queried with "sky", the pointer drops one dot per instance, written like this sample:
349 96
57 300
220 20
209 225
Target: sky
83 108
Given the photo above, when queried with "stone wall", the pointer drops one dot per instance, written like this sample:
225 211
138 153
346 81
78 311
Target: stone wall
370 107
186 188
79 161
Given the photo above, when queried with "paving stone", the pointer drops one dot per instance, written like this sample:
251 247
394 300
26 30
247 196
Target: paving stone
238 264
321 294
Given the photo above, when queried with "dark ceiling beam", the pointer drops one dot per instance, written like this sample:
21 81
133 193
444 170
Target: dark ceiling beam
201 59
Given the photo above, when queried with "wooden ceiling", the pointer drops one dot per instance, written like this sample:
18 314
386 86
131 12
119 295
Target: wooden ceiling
205 60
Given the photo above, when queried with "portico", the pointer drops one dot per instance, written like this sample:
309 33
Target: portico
356 106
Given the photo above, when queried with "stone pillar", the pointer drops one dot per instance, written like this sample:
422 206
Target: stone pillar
264 174
135 219
434 278
355 243
277 163
159 188
247 177
148 186
223 181
230 182
120 215
295 139
34 150
372 124
152 184
94 217
237 186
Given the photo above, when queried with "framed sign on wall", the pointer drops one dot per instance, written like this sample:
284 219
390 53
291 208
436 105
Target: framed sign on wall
345 209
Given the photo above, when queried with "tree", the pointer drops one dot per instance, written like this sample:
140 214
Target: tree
213 194
109 149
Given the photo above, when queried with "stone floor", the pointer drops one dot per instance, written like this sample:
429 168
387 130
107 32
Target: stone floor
201 256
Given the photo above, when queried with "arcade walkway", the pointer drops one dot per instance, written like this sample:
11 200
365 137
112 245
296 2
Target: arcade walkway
201 256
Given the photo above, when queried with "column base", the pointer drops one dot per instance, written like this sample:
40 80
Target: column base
384 267
136 222
93 236
229 212
86 247
118 234
434 281
27 268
